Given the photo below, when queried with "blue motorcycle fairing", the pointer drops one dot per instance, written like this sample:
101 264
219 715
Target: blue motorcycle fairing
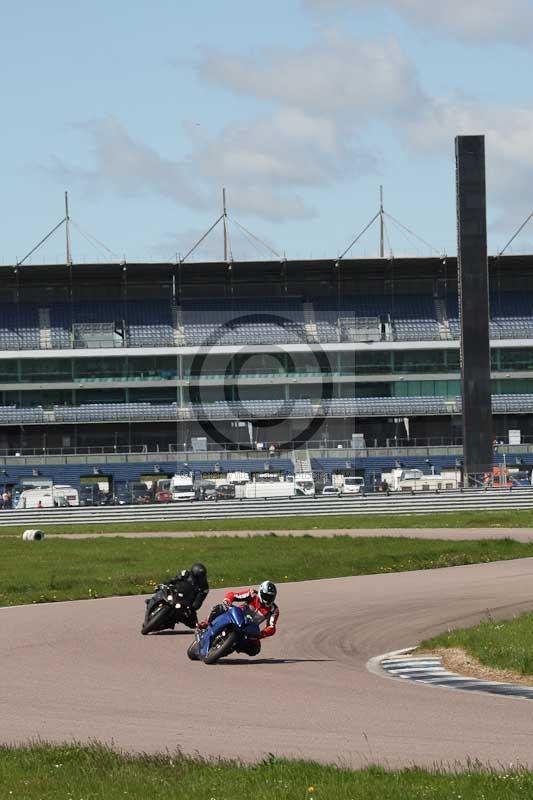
236 618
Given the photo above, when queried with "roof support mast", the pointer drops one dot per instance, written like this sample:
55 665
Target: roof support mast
225 219
381 225
67 232
225 223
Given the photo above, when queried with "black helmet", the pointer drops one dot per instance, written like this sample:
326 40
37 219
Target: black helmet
267 593
199 572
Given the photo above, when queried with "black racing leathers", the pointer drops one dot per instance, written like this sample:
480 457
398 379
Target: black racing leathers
194 593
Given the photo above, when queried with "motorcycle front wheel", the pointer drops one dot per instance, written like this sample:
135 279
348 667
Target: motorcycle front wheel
222 646
155 621
192 651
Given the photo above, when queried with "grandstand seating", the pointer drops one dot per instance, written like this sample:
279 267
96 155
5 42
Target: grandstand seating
261 321
511 315
19 326
414 318
139 323
249 409
14 415
386 406
258 409
253 321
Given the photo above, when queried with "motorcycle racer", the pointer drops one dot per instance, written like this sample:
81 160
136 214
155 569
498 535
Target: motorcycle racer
261 601
194 586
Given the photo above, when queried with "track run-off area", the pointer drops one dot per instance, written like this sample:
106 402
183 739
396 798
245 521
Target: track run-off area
82 671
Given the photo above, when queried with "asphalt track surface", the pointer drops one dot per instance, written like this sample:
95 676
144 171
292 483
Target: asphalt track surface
82 671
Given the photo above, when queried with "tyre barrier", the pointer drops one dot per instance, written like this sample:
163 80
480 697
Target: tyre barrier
32 535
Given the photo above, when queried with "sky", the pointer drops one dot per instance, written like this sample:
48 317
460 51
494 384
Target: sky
301 109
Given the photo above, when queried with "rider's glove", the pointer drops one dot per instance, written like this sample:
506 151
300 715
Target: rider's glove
226 604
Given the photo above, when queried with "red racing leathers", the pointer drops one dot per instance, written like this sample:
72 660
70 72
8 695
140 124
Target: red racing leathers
263 613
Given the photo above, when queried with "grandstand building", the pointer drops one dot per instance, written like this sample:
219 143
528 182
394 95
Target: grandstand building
171 358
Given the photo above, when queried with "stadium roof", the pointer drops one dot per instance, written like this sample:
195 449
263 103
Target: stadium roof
217 275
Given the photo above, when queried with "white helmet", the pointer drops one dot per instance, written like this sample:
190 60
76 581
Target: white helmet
267 593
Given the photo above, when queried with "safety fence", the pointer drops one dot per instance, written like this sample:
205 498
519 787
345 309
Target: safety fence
394 504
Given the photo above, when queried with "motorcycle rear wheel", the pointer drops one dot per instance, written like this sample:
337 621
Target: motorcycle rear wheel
223 649
154 622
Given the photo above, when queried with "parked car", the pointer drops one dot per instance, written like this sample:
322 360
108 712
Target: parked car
92 495
140 493
224 491
331 491
163 496
204 488
122 497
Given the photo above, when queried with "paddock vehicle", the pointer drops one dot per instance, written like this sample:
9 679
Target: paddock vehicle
414 480
92 495
140 494
331 491
182 487
349 484
160 491
226 634
353 485
163 497
51 497
165 609
507 477
223 491
270 484
121 497
304 484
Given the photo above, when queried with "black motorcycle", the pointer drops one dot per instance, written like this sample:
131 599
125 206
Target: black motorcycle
166 609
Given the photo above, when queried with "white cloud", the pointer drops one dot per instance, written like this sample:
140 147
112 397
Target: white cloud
130 167
323 102
474 20
338 76
289 149
508 132
323 98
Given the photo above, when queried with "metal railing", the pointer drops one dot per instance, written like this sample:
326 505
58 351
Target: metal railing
398 504
332 448
318 445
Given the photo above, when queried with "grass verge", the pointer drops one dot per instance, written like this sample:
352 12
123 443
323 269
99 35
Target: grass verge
505 645
67 569
451 519
42 772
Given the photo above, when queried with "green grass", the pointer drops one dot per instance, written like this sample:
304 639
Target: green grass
73 772
67 569
504 645
451 519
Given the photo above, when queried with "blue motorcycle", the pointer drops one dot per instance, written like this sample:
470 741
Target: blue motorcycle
227 633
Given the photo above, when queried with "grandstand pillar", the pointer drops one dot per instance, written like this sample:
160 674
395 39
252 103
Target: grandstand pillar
473 278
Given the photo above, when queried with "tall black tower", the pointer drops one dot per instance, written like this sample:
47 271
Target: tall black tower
474 303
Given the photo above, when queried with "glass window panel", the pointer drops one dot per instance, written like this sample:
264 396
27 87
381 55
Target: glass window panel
45 369
8 371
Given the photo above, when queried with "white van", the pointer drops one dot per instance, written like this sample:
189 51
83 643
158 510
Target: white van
182 488
61 496
353 485
304 484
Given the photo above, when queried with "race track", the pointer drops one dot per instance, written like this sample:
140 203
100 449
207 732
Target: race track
82 671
